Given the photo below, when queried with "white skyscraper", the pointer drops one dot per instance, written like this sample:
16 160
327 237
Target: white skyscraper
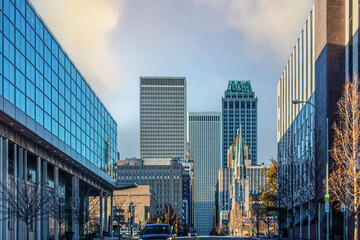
162 119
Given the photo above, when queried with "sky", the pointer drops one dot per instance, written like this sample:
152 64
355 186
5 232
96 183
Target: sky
114 42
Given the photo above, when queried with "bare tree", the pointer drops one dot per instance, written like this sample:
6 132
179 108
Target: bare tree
344 184
258 210
313 174
83 206
26 202
57 209
119 211
289 193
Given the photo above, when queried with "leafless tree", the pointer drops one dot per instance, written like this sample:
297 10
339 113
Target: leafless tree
289 193
26 202
83 206
57 209
119 215
344 184
312 187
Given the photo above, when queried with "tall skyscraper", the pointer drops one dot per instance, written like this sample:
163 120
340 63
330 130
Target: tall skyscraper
162 119
239 108
204 144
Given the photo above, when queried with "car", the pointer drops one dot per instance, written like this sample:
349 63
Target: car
136 231
192 234
125 231
157 231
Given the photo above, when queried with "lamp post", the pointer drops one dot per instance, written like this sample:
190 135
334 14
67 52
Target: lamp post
296 101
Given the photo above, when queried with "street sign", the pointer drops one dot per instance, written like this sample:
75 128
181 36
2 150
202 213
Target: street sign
342 208
326 198
327 207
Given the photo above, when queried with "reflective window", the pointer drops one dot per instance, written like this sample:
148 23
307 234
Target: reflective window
41 80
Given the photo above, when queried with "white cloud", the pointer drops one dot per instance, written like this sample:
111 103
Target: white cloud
266 25
83 28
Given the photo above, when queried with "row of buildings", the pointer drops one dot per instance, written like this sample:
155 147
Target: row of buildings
55 130
163 128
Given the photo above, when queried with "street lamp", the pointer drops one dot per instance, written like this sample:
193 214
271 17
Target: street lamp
296 101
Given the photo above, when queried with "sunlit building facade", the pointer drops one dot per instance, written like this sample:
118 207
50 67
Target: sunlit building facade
321 61
53 126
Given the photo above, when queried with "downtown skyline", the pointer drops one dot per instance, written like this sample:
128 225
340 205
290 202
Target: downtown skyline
219 46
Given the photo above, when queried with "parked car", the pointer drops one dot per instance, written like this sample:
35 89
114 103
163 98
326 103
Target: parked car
136 231
157 231
192 234
125 231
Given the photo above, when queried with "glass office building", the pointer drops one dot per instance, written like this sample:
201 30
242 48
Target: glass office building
322 59
53 127
43 89
204 150
239 109
297 82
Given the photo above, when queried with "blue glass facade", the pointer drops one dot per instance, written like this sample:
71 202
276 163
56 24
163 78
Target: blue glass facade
40 80
239 110
204 150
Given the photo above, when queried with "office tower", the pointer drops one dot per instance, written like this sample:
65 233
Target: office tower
165 180
224 201
323 57
162 119
53 127
204 144
239 109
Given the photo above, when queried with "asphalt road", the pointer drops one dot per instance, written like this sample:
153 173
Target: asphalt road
217 238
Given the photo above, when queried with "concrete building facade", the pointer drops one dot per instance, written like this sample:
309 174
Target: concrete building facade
165 180
142 198
224 203
162 119
204 150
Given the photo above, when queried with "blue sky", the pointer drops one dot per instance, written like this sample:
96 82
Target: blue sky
209 42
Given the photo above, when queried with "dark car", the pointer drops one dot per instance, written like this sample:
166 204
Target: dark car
192 234
156 231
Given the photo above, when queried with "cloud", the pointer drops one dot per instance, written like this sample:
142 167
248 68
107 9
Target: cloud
266 25
83 28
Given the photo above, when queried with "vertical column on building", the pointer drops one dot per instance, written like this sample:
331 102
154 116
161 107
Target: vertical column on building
21 189
56 188
38 186
75 197
5 165
25 179
300 217
101 214
111 216
309 220
105 212
45 217
1 180
15 189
